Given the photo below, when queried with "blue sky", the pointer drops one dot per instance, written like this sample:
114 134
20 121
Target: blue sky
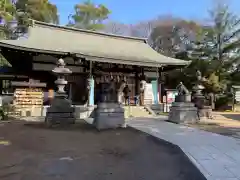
133 11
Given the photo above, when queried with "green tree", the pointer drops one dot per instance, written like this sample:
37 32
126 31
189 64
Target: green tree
214 50
218 45
7 10
89 16
7 14
41 10
21 11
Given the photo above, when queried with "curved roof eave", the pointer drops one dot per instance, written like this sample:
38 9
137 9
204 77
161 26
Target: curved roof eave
94 46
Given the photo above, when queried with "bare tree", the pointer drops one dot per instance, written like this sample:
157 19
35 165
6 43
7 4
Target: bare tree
117 28
173 35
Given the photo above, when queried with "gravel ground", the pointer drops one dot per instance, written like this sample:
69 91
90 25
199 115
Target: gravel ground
81 152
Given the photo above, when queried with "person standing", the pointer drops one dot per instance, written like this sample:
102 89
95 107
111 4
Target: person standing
142 89
126 92
120 86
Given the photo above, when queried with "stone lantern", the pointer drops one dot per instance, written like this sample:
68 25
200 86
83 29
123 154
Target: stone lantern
61 71
61 110
204 110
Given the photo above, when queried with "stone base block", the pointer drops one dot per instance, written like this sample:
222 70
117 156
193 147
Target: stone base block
157 108
60 112
181 112
183 98
205 112
108 115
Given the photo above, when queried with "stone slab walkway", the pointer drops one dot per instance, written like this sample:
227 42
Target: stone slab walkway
216 156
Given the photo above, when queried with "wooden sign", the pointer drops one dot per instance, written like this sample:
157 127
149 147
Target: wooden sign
237 96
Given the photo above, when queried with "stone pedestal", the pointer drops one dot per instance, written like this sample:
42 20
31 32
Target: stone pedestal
182 112
205 113
183 98
157 108
108 115
60 112
199 101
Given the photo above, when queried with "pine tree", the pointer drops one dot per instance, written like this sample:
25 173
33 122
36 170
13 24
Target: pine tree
89 16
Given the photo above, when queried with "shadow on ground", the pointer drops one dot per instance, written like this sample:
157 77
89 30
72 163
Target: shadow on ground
81 152
232 116
79 126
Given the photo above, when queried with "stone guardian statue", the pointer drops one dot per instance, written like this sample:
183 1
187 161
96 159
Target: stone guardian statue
183 93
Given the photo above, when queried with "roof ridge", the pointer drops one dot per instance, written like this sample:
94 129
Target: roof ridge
35 22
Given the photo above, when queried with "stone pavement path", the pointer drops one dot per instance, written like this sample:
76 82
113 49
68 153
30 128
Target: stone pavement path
216 156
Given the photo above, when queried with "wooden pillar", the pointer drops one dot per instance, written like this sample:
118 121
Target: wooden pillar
160 84
1 86
142 71
157 86
137 83
142 93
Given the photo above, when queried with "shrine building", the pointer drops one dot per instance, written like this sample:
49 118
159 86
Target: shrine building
86 53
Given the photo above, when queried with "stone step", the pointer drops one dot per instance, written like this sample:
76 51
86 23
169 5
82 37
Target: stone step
136 111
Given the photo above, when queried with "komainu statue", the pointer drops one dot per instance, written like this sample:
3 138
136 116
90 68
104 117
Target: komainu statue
182 90
183 93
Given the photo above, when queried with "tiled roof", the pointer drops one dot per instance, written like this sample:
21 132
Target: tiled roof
93 46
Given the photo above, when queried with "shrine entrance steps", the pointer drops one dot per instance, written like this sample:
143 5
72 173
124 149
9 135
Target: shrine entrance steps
136 111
